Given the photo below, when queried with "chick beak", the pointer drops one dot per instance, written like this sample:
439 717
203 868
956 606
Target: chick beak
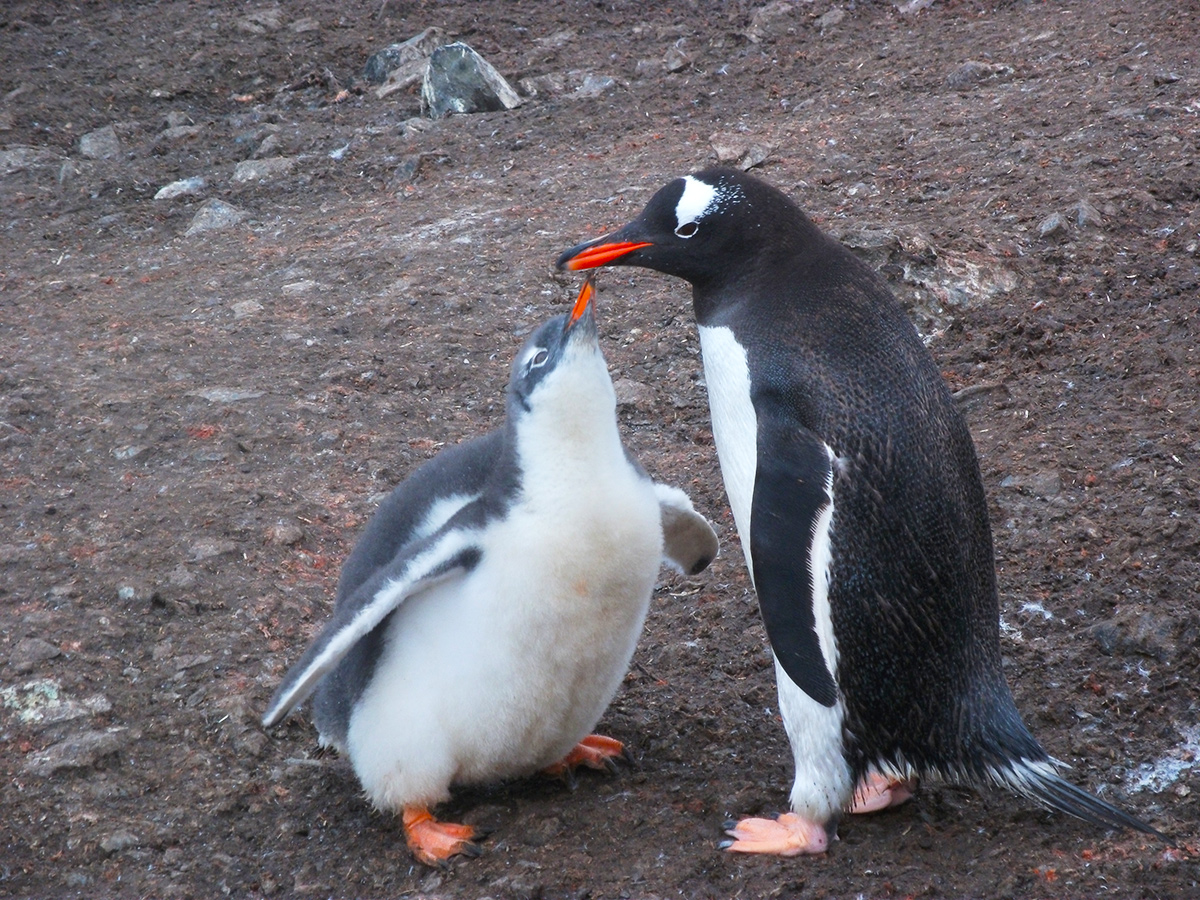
584 302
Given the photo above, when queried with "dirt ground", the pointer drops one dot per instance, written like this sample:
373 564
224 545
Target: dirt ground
194 427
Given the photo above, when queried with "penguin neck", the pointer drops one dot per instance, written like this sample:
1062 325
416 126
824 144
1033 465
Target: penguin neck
762 275
564 439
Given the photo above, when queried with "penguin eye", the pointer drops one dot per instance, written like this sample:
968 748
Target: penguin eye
539 359
687 229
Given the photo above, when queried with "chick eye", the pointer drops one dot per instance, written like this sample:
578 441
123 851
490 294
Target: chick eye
687 229
539 359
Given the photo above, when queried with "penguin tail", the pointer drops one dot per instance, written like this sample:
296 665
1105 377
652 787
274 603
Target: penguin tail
1039 781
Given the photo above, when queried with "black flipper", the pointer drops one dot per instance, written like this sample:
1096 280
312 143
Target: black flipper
791 491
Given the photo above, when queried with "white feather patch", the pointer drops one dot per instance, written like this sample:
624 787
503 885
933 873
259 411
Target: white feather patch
698 199
819 561
735 424
440 512
822 787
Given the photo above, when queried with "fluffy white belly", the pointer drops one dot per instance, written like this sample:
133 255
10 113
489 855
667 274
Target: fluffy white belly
502 672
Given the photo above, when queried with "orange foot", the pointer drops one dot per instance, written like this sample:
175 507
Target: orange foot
789 835
434 842
876 792
595 751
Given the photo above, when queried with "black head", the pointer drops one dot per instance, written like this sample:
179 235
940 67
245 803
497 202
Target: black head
702 227
563 340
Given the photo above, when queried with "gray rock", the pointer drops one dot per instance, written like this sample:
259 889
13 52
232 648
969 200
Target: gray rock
676 59
263 169
180 577
102 143
41 703
246 308
645 68
380 65
974 72
226 395
771 20
261 21
633 394
930 283
67 172
1136 632
29 652
834 17
403 77
285 535
415 126
406 170
1054 225
268 148
207 548
16 159
556 41
214 215
537 85
185 187
190 661
78 751
1085 214
177 134
459 80
741 150
593 86
1045 484
118 841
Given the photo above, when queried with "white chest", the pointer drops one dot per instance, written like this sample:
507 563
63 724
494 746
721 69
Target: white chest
735 425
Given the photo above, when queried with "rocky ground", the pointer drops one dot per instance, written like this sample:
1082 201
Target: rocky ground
203 396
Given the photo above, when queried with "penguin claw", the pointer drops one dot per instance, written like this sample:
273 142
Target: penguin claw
595 751
482 833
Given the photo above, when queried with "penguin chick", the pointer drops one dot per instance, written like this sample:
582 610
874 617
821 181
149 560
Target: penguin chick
861 511
490 609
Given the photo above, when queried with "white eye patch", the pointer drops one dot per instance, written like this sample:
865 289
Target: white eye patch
535 358
697 199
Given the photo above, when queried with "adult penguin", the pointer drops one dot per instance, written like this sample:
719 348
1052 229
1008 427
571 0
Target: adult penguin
859 503
488 614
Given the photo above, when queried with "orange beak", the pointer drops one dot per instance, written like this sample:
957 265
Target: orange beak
601 254
584 300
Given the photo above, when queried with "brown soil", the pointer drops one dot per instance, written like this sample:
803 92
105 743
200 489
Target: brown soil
194 428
